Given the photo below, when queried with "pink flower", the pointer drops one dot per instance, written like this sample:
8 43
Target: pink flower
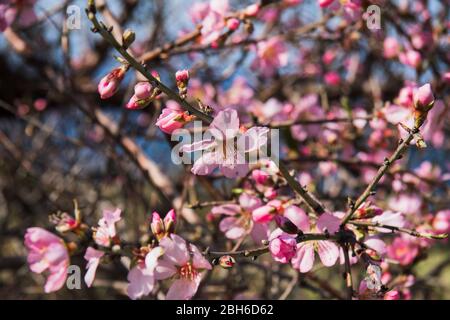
441 222
172 118
298 217
423 97
105 233
20 11
328 222
282 246
391 47
260 176
220 150
392 295
182 262
213 20
304 258
324 3
411 58
142 278
332 78
233 24
182 75
267 212
238 221
47 252
270 56
110 83
93 258
403 250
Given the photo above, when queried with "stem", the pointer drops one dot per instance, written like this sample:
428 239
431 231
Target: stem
413 233
348 273
383 169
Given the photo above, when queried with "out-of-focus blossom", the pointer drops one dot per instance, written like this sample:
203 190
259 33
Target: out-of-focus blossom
389 218
183 262
391 47
21 11
47 251
411 58
441 221
332 78
267 212
403 250
271 55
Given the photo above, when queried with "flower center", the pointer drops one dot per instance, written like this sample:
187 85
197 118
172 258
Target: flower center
188 271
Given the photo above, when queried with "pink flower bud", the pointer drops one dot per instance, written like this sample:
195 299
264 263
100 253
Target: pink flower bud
110 83
324 3
270 193
172 117
391 47
169 221
252 10
332 78
182 76
423 97
227 262
157 226
233 23
143 90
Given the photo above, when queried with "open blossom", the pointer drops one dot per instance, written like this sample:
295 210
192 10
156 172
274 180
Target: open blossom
47 251
220 150
238 221
403 250
282 246
389 218
141 277
110 83
270 56
172 117
93 257
182 262
105 233
213 19
327 250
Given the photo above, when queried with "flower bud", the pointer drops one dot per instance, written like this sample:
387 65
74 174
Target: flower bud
233 24
182 78
172 117
110 83
128 38
169 221
423 102
157 226
226 262
252 10
286 225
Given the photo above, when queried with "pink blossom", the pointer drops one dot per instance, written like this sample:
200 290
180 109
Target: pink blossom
105 233
403 250
172 117
110 83
411 58
282 246
392 295
298 217
423 97
270 56
162 228
332 78
142 277
21 11
213 20
233 24
143 95
324 3
220 149
182 75
93 257
260 176
182 262
46 251
238 221
391 47
441 222
252 10
304 257
328 222
267 212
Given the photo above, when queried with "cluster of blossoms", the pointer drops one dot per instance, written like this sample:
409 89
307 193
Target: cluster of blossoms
166 256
